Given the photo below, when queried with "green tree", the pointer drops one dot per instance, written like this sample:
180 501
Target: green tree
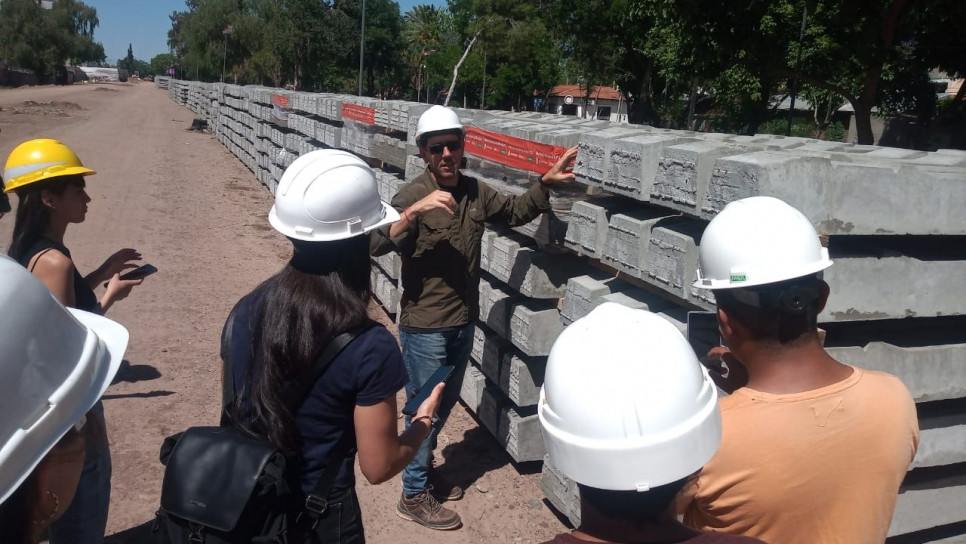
160 64
747 51
128 62
45 40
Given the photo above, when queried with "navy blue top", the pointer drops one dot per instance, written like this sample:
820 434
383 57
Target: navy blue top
366 372
84 297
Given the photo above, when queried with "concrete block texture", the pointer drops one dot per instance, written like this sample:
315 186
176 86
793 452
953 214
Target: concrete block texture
471 391
517 430
628 235
384 289
561 491
632 163
885 197
594 152
865 288
935 372
584 293
390 264
684 174
671 258
529 324
921 509
527 270
518 376
587 229
941 446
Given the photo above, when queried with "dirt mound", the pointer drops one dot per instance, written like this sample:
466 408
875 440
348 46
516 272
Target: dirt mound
54 109
105 90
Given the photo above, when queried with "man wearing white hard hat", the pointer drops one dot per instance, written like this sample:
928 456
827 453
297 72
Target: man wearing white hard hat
813 451
439 235
57 363
631 416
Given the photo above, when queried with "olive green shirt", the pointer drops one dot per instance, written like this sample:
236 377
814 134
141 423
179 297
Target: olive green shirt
441 252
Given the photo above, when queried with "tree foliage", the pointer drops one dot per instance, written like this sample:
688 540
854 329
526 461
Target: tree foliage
733 60
44 40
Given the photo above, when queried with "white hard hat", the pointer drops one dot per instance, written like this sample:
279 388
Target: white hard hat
328 195
756 241
57 362
438 119
625 404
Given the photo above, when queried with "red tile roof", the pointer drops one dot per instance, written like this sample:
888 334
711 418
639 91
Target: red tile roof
577 91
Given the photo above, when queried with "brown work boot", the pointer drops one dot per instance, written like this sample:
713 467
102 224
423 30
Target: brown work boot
443 489
425 510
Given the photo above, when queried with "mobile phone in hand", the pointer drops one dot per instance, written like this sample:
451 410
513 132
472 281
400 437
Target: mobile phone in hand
703 332
140 272
441 374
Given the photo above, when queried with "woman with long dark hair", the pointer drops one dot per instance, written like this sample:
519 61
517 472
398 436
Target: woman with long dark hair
326 203
48 178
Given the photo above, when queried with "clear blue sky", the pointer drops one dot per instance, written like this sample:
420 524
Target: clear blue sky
144 24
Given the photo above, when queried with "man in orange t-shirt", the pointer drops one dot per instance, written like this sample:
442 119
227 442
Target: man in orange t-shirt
812 451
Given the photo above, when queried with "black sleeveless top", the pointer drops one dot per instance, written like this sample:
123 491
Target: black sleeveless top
84 297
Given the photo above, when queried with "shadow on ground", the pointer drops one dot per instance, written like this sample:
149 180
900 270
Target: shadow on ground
470 458
135 373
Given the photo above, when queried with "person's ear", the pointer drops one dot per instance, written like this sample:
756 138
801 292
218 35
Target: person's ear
725 324
47 198
823 292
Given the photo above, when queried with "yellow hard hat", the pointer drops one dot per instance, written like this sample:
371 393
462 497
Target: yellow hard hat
40 159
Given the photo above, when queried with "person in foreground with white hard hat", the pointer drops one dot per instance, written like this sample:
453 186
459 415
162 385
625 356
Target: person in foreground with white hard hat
631 416
49 180
325 204
57 363
439 235
813 451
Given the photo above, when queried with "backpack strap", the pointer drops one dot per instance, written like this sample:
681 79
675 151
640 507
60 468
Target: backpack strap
317 501
296 391
227 376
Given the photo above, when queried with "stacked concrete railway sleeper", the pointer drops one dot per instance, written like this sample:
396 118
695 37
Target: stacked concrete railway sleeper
629 231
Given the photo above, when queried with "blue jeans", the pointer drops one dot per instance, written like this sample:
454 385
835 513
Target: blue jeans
85 520
422 354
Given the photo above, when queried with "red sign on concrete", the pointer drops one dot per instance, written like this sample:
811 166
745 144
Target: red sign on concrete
359 113
280 100
513 152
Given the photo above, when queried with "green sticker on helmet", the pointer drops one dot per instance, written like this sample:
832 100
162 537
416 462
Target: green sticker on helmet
738 277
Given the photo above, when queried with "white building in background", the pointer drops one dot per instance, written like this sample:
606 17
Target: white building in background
603 103
99 74
46 4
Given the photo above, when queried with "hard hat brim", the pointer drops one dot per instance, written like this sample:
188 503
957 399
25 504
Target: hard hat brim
47 173
66 407
390 215
779 276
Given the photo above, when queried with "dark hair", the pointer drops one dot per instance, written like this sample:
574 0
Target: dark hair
299 313
33 217
786 312
632 506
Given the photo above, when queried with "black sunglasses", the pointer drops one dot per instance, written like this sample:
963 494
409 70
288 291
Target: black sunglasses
453 146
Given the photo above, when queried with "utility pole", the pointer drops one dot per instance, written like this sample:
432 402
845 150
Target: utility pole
224 58
483 91
362 43
798 62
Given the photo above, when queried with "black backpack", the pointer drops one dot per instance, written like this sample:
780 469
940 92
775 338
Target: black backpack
223 486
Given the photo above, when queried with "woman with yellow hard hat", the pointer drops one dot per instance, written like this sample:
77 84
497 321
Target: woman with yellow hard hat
48 178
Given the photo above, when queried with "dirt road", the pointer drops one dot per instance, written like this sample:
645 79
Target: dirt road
198 214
